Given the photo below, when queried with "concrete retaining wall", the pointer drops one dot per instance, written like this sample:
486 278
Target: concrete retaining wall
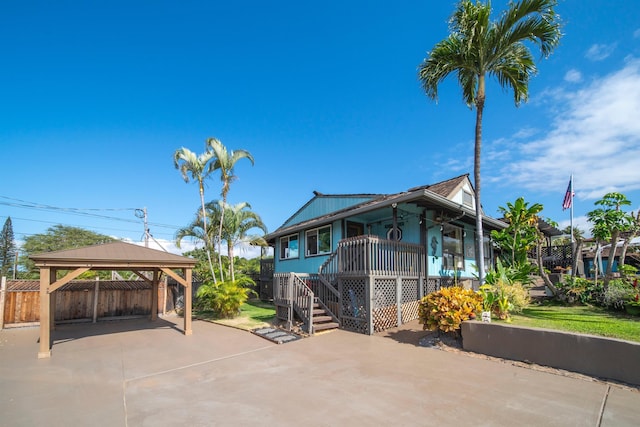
596 356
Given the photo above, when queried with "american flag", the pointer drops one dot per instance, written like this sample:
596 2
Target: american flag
568 198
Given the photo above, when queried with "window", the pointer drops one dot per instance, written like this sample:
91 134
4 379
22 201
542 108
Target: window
289 246
467 199
452 248
319 241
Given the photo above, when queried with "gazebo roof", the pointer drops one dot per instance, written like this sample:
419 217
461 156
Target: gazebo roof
112 255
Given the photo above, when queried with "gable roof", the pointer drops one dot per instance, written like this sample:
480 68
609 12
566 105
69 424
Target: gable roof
428 196
114 254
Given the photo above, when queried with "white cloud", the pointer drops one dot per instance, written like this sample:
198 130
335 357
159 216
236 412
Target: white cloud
596 135
242 250
598 52
573 76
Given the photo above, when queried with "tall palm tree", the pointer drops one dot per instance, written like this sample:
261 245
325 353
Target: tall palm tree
198 168
225 162
478 47
238 221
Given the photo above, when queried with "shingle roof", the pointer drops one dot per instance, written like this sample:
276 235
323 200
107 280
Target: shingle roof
115 253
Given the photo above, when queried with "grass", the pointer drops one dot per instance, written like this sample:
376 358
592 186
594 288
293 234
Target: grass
253 314
580 319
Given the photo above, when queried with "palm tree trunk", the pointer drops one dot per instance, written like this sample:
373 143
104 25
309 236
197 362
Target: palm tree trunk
231 262
224 204
206 235
476 178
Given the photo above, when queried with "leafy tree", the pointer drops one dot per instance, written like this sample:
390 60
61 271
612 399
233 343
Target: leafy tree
225 162
57 238
7 249
631 234
608 222
198 168
521 235
477 48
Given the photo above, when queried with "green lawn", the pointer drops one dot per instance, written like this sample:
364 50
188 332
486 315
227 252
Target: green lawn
253 314
582 319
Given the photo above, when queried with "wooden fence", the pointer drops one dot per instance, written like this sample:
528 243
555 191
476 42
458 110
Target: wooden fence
81 300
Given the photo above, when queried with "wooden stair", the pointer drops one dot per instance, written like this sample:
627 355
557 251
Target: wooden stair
322 321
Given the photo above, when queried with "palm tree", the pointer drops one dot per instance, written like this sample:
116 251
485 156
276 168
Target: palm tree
477 48
198 168
238 221
225 162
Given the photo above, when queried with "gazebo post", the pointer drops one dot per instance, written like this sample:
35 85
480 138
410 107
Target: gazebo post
45 318
187 303
154 295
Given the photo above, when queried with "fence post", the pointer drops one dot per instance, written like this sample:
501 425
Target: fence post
311 314
3 290
96 289
290 303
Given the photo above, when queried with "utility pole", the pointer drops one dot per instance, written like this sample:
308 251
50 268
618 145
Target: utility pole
142 213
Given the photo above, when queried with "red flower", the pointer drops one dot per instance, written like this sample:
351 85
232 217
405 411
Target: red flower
637 297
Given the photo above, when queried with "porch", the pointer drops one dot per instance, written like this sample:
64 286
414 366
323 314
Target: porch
367 285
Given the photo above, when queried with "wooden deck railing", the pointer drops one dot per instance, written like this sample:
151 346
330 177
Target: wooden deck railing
371 255
290 290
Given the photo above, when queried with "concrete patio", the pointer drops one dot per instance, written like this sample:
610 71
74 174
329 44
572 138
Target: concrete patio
142 373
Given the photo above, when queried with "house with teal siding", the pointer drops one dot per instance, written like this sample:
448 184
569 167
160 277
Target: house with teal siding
363 261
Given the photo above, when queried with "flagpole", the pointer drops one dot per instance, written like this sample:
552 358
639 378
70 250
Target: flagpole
571 195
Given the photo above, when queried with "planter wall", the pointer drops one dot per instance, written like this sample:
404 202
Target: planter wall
587 354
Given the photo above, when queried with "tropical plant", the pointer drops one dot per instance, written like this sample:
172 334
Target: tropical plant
502 292
445 309
477 48
198 168
521 235
7 250
226 297
225 162
608 222
580 290
238 221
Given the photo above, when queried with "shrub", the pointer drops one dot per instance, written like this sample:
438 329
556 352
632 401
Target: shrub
224 298
503 293
580 290
446 309
618 293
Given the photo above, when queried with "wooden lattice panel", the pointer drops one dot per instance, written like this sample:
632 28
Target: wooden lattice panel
410 290
431 285
354 309
385 318
410 311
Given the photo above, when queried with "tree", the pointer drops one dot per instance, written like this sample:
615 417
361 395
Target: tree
7 250
608 222
631 234
521 234
238 221
578 237
225 162
477 48
197 168
57 238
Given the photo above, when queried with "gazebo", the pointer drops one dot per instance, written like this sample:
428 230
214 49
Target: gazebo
109 256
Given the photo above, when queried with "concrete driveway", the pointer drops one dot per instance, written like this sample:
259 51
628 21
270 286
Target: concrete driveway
142 373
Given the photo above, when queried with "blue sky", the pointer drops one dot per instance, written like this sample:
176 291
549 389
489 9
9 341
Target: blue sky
96 97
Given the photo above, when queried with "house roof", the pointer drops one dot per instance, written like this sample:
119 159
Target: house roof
112 256
433 196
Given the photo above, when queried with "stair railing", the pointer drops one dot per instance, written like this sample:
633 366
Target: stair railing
327 287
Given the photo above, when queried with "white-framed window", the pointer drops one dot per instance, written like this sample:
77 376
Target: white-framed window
289 246
452 247
318 241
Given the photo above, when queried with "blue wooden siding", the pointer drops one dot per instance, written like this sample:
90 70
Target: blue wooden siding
323 205
304 263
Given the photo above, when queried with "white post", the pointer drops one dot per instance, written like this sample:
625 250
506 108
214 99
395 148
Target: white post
3 290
